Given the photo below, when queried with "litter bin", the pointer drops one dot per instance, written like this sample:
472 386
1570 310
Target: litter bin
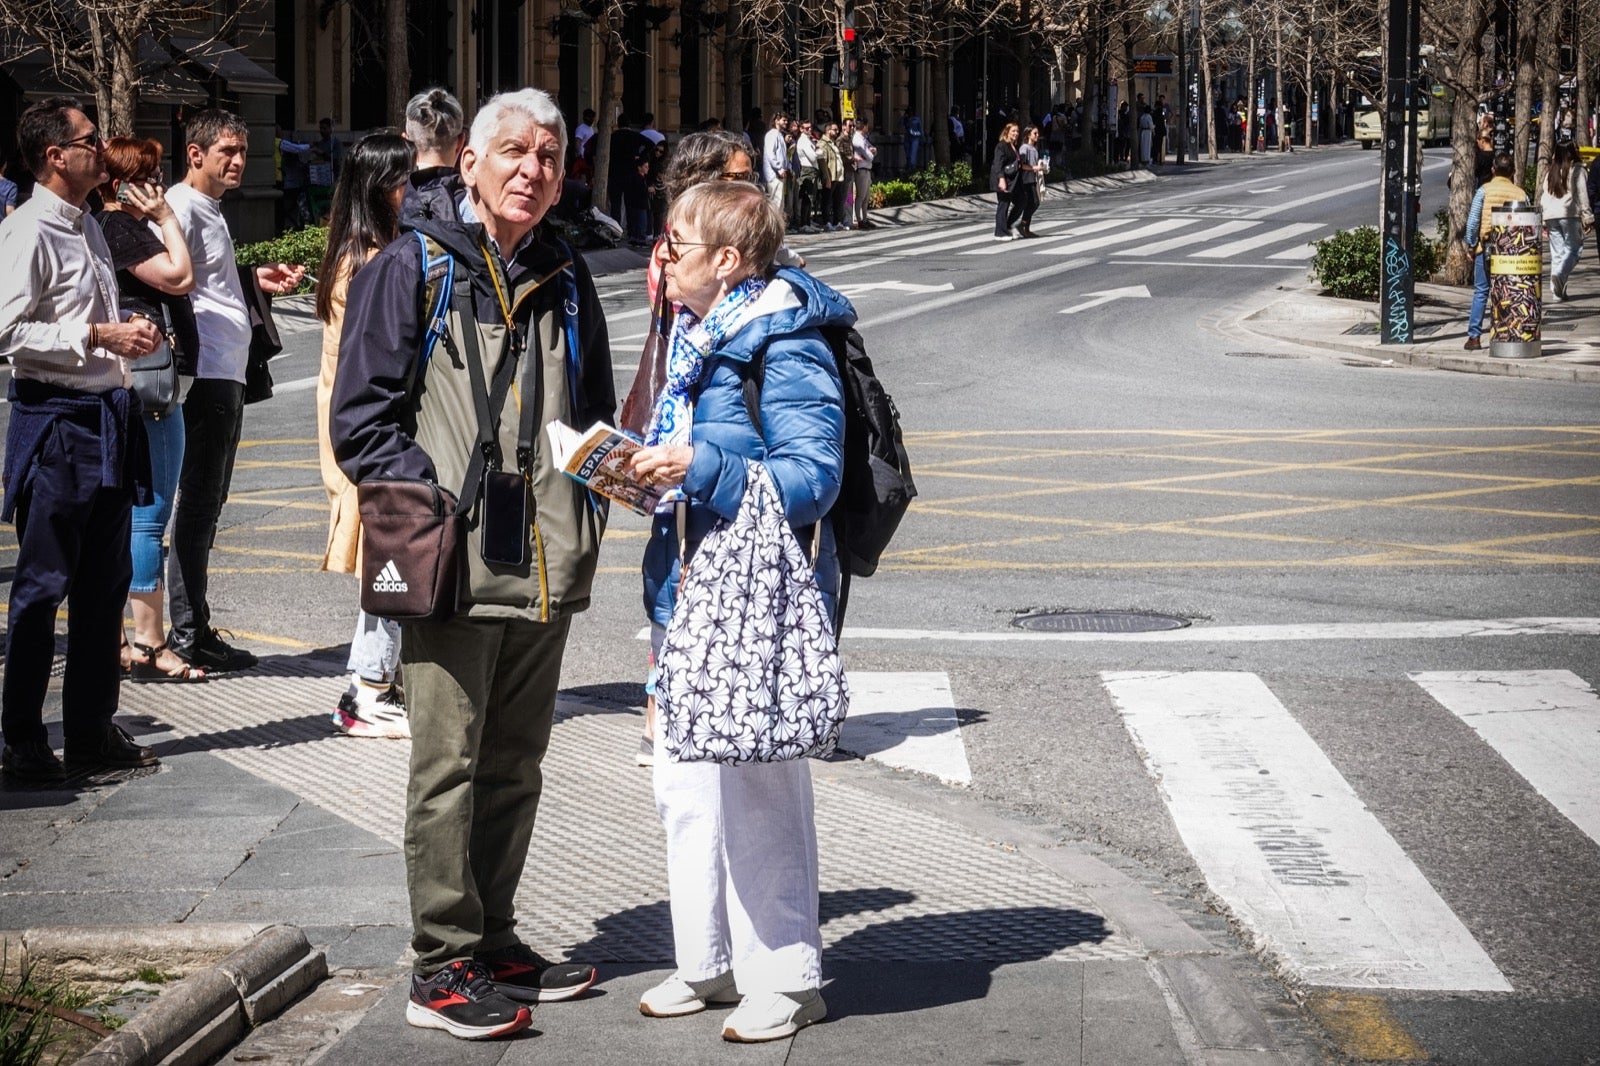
1515 271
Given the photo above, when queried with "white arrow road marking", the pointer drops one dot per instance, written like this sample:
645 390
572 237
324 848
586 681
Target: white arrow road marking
1281 835
908 721
1137 292
853 291
1545 723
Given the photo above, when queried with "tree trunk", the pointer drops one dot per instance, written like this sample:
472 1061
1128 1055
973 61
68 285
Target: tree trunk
397 60
606 117
1585 94
731 47
1208 106
1252 120
1527 71
1549 60
939 96
1469 78
1307 132
1279 110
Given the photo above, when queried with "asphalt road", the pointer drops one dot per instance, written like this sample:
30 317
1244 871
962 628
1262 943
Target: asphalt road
1086 438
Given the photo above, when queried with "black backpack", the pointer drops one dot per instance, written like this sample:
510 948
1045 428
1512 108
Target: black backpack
877 488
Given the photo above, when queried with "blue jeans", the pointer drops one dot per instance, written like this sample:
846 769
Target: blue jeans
374 649
150 523
1566 244
1480 293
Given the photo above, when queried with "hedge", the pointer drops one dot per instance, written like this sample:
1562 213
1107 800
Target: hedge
302 247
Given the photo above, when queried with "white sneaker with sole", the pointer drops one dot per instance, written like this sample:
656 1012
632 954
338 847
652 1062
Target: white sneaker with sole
773 1016
368 710
676 997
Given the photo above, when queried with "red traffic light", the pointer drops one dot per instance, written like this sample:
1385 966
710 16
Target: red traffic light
849 33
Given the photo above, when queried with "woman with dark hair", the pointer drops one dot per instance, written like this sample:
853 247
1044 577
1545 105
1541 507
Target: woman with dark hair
154 276
1004 169
1028 179
364 219
1564 203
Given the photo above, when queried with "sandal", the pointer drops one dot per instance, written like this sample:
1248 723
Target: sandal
126 653
149 672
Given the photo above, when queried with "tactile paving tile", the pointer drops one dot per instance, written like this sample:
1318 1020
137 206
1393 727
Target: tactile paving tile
898 883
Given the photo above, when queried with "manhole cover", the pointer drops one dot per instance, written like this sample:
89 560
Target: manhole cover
1097 622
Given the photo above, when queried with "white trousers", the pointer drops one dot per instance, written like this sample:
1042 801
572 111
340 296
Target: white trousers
742 871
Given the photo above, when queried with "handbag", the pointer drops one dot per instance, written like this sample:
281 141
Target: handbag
155 376
750 671
640 404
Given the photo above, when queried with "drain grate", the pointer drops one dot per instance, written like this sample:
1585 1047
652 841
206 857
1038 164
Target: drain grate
1098 622
1361 329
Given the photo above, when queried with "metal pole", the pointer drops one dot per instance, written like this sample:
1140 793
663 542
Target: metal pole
1183 100
1397 284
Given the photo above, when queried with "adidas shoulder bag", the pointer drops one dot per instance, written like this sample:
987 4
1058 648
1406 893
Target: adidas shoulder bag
410 544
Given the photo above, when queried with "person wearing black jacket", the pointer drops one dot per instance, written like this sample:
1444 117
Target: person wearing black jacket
1004 170
481 686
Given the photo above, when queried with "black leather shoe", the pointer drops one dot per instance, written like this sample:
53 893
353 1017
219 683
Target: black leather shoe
32 762
115 751
213 654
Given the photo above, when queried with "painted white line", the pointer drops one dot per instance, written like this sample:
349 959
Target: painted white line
1439 630
297 385
1013 284
1166 225
1284 839
907 721
875 245
1183 240
1278 209
1257 240
1212 266
1545 723
1079 228
1304 251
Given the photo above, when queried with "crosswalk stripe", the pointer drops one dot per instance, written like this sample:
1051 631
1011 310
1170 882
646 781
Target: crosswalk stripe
1299 252
1165 225
1185 239
1078 228
1545 723
855 245
1285 840
908 721
1282 233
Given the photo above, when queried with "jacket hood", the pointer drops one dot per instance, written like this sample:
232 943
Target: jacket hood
794 302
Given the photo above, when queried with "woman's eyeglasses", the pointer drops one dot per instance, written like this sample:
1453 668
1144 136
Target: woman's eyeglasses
672 246
738 175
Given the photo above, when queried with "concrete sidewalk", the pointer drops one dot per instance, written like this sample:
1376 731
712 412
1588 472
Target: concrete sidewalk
953 931
1298 314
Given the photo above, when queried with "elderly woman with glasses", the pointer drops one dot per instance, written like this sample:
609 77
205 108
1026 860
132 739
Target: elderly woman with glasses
741 839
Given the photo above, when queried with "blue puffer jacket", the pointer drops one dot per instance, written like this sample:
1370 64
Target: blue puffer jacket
802 416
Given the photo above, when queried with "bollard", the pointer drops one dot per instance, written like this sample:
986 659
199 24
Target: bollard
1514 275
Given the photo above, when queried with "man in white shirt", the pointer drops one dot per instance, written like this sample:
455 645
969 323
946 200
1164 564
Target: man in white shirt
775 159
75 457
649 131
805 161
585 130
863 152
213 411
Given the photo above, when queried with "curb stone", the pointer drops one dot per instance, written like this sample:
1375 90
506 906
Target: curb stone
205 1013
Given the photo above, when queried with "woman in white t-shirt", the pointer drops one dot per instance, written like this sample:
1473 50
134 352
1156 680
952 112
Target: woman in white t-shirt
1564 203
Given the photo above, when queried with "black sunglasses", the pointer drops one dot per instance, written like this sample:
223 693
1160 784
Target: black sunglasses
92 139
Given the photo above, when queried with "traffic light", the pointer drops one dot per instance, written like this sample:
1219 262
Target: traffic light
852 49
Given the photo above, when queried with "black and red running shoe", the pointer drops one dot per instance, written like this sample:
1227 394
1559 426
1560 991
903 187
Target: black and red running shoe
461 1000
523 974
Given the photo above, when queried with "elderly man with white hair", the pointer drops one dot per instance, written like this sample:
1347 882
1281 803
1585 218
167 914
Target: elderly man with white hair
481 684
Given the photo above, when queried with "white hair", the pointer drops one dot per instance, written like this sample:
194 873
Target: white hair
531 105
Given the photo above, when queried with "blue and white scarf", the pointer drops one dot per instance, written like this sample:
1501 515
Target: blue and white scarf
693 339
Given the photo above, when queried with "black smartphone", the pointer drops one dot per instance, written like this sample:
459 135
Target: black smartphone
505 523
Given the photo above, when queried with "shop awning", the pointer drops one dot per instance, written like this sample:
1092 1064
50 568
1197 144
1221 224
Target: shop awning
223 61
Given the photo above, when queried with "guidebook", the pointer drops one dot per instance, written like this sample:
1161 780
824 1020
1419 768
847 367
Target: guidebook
598 457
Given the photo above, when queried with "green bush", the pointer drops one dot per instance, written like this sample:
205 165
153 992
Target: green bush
1349 264
302 247
939 182
892 193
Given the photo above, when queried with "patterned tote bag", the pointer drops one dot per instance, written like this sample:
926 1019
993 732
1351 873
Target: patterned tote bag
750 669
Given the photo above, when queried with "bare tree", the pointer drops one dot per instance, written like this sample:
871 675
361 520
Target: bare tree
1459 26
94 44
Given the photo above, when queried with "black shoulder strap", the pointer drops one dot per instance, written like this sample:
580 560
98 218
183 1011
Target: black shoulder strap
486 448
752 375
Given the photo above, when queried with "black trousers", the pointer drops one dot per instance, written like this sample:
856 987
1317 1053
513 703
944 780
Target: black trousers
1007 209
73 537
213 417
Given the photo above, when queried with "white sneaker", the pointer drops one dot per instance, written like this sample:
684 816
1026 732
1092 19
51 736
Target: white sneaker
1007 237
675 997
368 710
773 1016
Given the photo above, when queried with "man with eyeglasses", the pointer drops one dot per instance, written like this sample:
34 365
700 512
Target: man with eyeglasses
75 455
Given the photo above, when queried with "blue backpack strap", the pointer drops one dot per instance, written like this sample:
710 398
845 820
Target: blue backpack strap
569 316
438 281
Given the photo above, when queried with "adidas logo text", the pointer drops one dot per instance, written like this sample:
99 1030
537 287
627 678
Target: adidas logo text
389 580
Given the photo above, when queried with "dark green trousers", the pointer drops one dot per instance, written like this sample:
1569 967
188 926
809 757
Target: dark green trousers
481 696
